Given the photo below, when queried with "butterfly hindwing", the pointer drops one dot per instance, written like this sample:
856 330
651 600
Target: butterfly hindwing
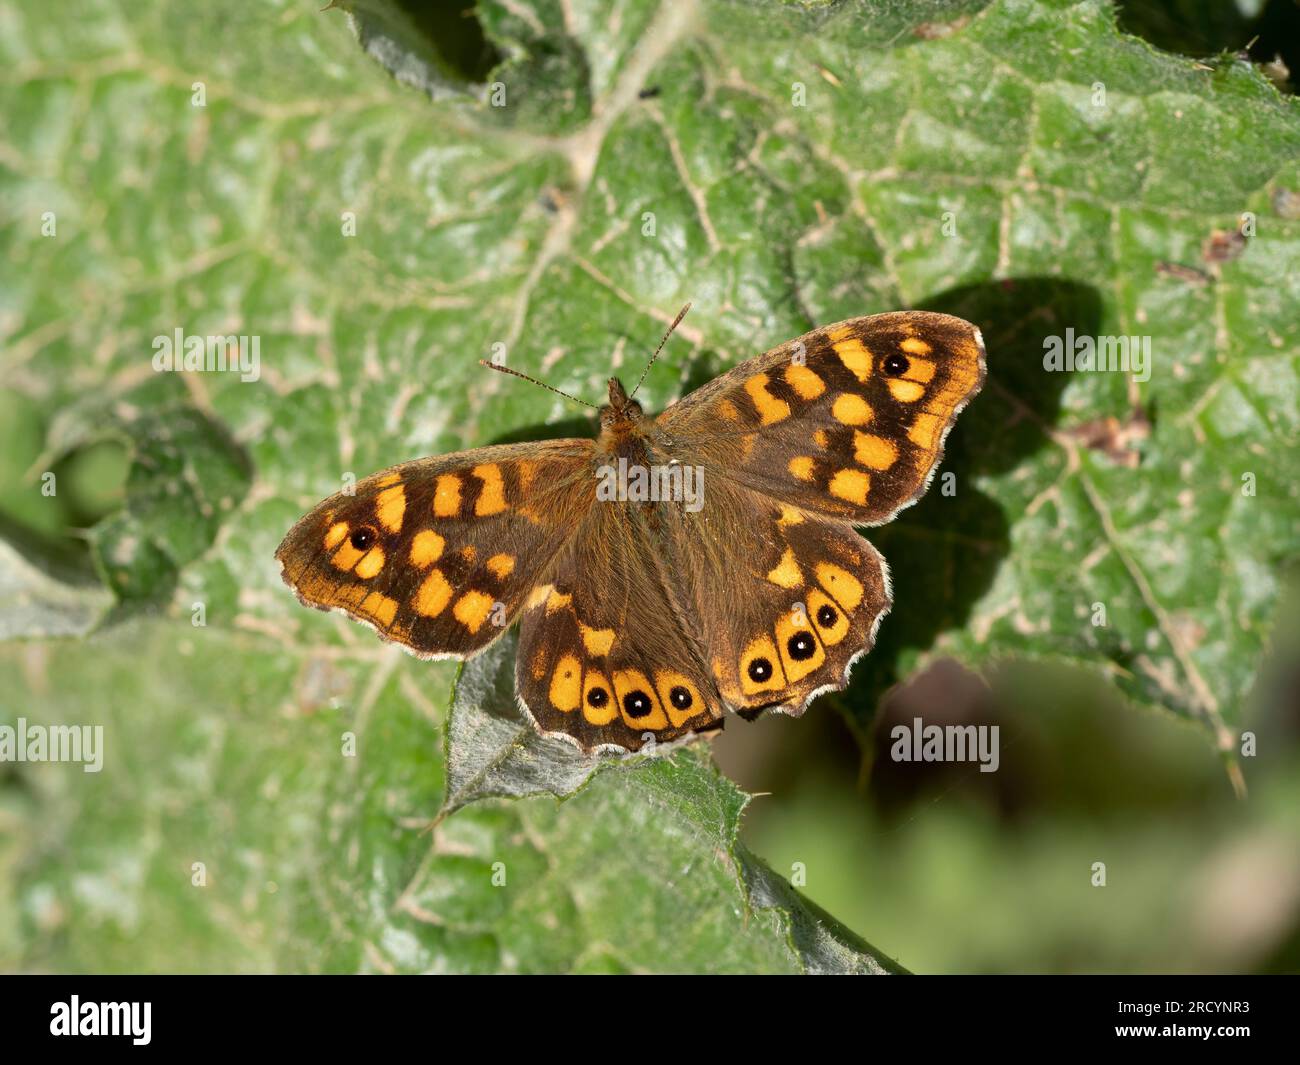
607 655
847 421
440 554
788 599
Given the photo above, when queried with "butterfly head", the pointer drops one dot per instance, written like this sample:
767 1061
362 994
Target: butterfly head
622 413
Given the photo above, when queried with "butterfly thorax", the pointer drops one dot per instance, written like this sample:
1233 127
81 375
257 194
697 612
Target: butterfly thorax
623 424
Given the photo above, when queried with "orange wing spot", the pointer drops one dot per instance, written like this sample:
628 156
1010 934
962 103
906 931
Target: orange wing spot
566 684
469 553
380 608
963 373
538 665
539 595
556 600
728 410
747 445
874 451
492 500
925 429
387 479
850 485
856 358
608 708
390 505
346 556
371 564
820 438
526 471
915 346
802 467
666 682
840 584
433 595
905 391
770 409
786 574
334 536
760 667
833 624
446 496
789 516
728 689
630 682
841 333
806 384
472 609
851 409
501 566
921 370
426 548
801 651
596 641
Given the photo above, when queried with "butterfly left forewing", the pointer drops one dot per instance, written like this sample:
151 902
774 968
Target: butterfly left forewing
439 554
847 421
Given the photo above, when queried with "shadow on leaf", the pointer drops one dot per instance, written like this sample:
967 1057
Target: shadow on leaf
945 551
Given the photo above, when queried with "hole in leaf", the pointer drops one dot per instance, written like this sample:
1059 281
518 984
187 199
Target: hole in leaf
438 46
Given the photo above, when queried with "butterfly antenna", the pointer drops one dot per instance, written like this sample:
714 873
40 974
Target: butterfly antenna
676 322
539 384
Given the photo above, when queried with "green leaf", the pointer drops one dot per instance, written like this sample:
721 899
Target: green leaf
781 165
493 750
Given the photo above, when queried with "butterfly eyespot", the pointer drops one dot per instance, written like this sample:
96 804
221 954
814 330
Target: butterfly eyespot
680 697
760 670
895 365
801 646
826 616
598 697
363 539
637 703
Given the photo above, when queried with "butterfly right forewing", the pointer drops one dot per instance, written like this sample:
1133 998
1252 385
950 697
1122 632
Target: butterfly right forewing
847 421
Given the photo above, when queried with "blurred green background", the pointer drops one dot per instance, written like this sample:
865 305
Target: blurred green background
223 739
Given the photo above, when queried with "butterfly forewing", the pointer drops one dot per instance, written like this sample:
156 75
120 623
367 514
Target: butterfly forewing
847 421
439 554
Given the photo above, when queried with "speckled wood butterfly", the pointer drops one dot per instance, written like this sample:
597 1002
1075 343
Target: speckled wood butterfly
647 613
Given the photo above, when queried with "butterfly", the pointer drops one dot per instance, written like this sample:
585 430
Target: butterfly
676 566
